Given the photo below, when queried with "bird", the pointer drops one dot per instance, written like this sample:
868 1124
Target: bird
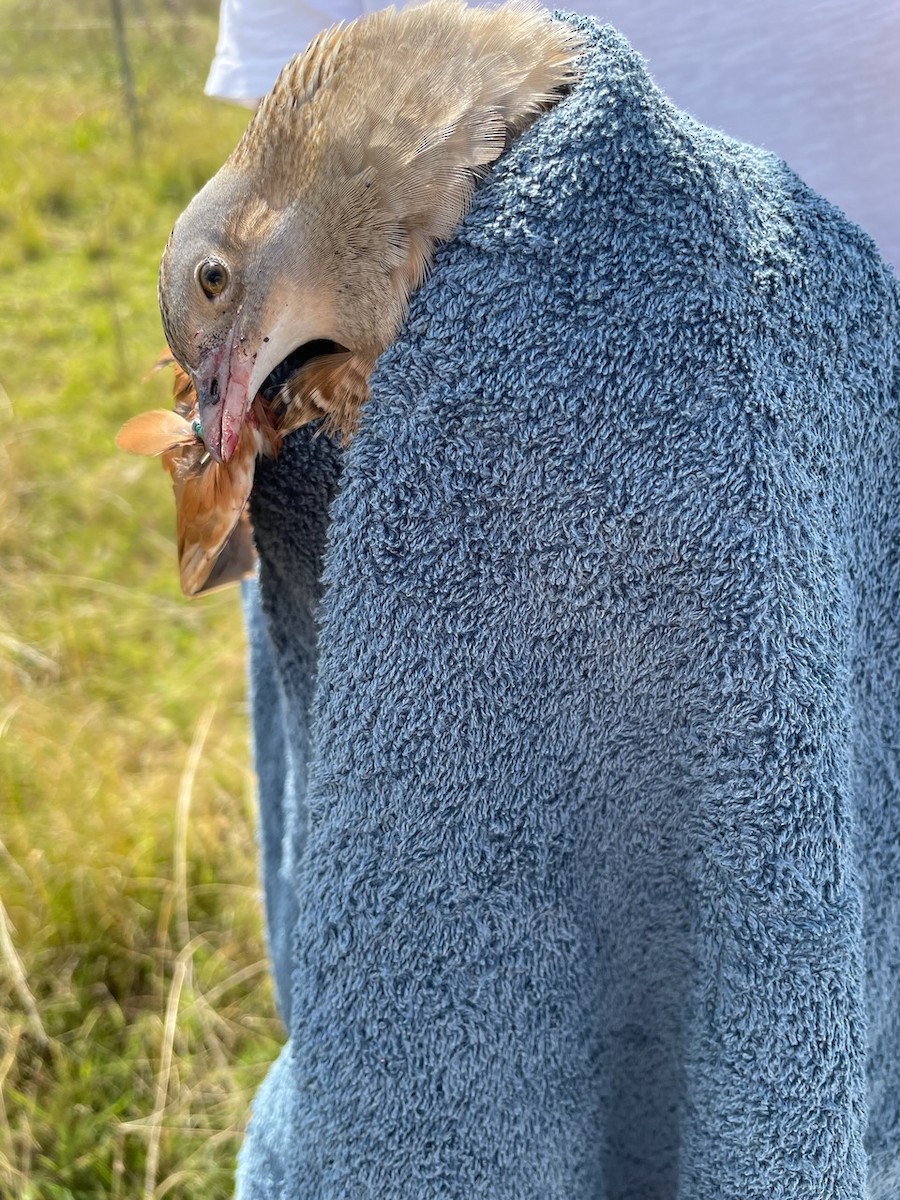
291 271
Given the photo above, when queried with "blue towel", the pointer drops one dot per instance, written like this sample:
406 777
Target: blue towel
575 697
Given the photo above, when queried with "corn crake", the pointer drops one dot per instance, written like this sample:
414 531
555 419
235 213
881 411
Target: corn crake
291 271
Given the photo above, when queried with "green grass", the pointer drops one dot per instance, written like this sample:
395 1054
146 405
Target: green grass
142 1019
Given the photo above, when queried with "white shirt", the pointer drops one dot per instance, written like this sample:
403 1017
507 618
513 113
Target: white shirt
815 81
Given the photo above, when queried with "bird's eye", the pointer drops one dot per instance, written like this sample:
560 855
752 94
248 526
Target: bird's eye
212 276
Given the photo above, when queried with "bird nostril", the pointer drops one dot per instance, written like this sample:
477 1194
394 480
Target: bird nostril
214 391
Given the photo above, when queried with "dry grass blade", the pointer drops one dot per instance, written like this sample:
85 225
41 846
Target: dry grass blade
165 1071
29 655
13 1036
183 961
182 813
239 977
19 980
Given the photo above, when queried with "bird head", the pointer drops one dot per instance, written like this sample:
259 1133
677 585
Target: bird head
242 290
310 239
259 277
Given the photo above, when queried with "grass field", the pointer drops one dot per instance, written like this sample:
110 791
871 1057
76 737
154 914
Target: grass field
136 1017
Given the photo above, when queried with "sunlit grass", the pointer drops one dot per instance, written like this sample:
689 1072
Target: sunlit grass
122 908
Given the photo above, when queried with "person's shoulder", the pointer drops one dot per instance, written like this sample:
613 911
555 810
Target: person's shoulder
257 37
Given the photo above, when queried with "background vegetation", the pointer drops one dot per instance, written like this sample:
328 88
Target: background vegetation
136 1017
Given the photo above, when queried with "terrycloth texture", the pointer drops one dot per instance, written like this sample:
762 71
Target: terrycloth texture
582 815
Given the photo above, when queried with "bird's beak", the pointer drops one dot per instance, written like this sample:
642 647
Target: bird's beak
231 373
223 381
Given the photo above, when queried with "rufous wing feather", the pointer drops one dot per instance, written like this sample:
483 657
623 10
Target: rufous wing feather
235 561
333 387
154 433
215 541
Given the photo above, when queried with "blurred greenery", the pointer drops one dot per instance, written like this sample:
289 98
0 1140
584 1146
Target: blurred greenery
136 1018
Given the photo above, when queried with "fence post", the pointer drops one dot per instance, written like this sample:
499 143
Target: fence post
131 102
